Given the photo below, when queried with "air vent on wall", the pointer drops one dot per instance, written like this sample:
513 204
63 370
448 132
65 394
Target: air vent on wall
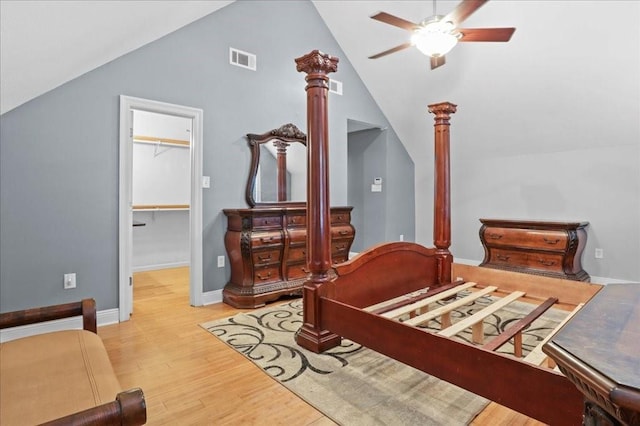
242 59
335 86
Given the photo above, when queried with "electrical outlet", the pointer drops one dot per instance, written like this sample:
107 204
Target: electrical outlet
69 281
401 237
599 253
220 261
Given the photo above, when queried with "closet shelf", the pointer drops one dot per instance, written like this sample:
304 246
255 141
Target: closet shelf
159 207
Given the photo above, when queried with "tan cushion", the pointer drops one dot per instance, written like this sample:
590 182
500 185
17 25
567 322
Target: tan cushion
52 375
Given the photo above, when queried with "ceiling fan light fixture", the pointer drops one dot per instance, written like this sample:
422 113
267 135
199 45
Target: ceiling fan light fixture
435 39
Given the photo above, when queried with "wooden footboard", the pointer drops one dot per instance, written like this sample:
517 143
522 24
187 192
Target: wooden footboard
541 393
352 308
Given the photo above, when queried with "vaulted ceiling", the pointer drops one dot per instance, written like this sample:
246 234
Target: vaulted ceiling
561 50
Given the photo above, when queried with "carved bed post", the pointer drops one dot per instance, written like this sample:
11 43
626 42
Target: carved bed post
317 65
281 150
442 190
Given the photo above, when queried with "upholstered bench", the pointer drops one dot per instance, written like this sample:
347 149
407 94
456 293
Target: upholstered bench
63 377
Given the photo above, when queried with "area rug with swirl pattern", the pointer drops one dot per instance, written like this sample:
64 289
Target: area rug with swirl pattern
354 385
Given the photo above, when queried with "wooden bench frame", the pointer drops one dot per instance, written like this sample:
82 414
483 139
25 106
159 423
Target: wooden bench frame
128 408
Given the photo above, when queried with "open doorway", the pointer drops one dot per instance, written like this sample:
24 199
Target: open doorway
367 168
160 194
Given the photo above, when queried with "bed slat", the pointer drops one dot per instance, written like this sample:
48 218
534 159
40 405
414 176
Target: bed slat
478 317
449 307
516 329
536 356
400 299
405 299
425 302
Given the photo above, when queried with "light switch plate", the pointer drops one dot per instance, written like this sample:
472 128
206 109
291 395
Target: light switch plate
69 281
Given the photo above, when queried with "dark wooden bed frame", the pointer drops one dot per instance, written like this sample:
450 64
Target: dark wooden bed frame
335 296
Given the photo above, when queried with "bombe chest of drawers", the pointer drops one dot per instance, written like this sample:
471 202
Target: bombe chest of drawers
267 250
552 249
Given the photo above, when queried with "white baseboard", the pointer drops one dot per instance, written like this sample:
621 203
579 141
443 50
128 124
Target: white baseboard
144 268
466 261
595 280
106 317
211 297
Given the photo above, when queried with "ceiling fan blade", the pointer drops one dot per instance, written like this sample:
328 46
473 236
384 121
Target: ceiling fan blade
390 51
486 34
463 11
394 20
437 62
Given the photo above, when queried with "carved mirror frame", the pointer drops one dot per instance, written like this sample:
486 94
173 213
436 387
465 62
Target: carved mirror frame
286 134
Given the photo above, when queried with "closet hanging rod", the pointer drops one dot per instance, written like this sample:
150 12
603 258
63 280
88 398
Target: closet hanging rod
152 207
155 140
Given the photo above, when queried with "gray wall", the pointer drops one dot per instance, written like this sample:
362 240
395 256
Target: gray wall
547 126
59 152
380 216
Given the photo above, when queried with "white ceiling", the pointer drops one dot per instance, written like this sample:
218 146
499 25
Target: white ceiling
44 44
559 48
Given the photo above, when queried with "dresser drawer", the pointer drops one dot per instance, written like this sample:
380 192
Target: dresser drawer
340 249
263 239
266 222
526 238
546 261
297 270
341 217
264 257
266 274
296 220
297 236
526 259
297 253
507 257
338 232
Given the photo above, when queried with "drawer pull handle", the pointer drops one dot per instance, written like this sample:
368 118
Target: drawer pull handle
343 232
502 257
341 247
266 239
265 277
305 270
495 236
263 258
339 217
547 262
549 241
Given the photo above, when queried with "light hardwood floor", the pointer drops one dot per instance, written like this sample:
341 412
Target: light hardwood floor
189 377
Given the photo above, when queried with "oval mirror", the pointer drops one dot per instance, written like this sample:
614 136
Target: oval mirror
278 174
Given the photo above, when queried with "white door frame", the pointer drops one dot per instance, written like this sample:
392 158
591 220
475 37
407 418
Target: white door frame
127 105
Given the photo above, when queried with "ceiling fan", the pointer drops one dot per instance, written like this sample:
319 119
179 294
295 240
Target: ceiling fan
437 35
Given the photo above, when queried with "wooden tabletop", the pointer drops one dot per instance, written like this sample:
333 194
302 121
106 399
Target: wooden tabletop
605 334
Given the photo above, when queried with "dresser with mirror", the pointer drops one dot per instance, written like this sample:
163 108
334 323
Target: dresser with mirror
266 243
